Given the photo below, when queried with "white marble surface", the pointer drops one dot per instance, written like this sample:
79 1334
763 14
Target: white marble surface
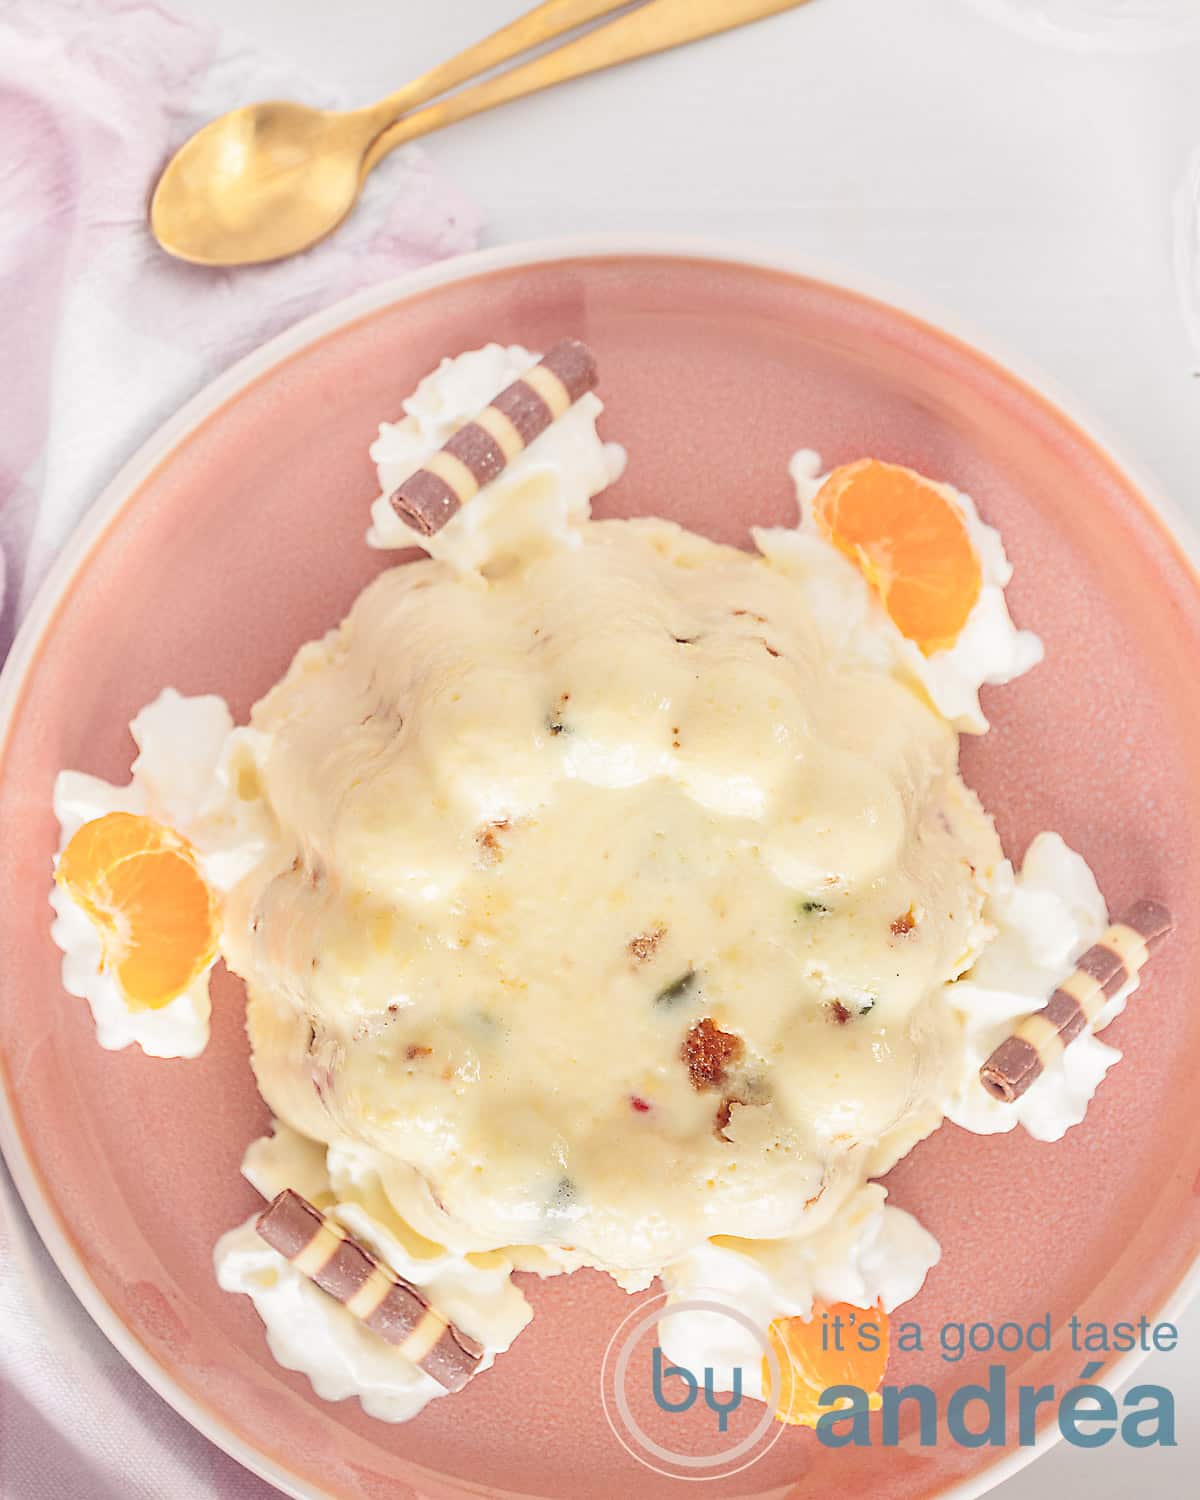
1025 187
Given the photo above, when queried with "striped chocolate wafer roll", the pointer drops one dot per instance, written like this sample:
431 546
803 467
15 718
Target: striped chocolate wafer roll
1105 968
393 1308
480 450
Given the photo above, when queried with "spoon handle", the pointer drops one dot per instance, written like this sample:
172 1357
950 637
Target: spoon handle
541 24
653 27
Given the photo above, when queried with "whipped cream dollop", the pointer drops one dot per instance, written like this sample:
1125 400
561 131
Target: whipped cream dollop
1045 917
309 1331
870 1254
194 773
855 626
541 499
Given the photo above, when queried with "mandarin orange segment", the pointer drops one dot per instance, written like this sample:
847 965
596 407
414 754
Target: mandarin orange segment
138 883
807 1369
911 544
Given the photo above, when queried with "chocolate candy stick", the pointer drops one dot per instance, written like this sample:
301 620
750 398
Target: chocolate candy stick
323 1251
479 451
1105 968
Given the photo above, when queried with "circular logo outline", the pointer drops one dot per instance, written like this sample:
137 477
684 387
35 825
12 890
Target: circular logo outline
653 1313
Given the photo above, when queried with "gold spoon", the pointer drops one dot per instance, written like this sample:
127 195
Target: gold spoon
268 180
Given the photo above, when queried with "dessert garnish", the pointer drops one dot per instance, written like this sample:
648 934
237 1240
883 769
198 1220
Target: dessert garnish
328 1255
1106 967
138 882
479 451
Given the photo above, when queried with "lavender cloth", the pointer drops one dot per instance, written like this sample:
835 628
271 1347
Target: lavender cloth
104 337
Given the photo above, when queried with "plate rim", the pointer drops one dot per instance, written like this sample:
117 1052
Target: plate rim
226 387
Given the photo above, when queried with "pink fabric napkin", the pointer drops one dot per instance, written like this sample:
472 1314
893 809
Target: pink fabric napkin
104 338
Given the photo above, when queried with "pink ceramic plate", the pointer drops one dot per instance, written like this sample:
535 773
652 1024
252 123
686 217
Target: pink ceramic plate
237 534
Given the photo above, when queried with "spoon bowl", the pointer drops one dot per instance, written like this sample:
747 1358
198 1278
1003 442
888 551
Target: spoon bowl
261 182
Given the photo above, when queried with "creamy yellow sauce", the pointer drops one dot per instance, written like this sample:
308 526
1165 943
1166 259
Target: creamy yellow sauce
531 833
